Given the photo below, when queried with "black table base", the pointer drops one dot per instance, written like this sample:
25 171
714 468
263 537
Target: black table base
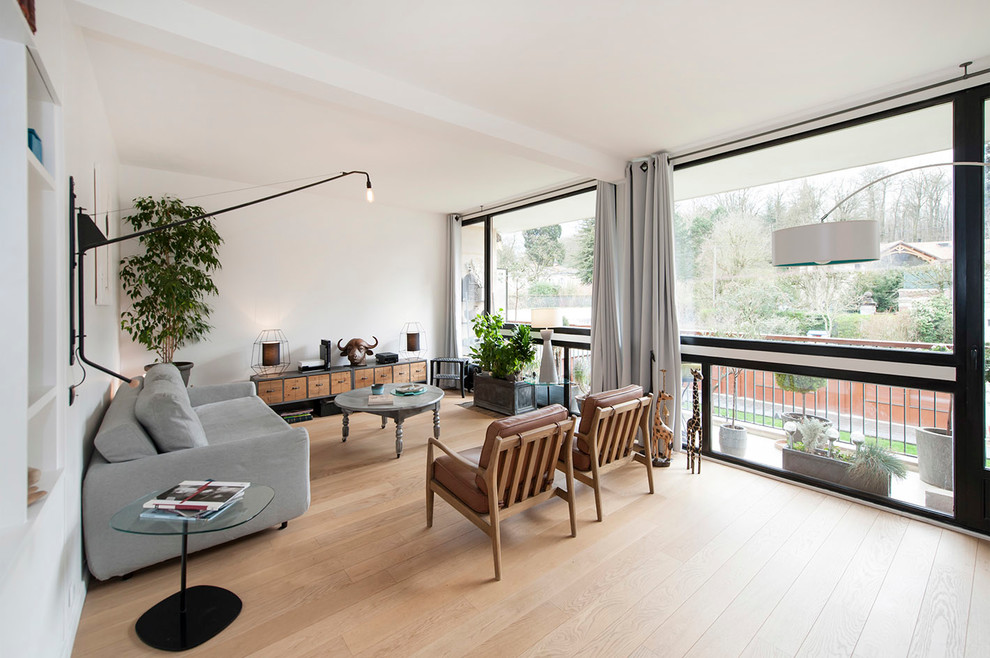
208 611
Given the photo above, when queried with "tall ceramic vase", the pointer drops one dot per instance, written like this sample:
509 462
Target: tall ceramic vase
548 366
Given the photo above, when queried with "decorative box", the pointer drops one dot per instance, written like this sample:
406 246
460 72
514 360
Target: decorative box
34 143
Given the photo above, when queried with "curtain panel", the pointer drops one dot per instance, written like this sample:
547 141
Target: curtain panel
606 354
451 344
647 305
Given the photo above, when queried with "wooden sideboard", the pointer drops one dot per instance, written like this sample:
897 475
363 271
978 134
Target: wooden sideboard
321 386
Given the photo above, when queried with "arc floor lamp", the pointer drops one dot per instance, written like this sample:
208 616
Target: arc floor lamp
84 235
832 243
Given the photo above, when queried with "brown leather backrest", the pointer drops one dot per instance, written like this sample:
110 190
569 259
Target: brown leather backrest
527 462
605 399
516 425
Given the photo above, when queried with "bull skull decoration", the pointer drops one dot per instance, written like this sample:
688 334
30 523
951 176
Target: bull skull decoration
357 350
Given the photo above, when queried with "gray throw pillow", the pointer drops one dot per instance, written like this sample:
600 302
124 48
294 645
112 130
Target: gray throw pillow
121 437
163 408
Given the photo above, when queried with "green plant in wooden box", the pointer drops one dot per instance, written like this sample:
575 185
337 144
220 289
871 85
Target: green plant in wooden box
503 356
169 281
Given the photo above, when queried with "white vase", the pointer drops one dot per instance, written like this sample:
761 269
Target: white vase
548 366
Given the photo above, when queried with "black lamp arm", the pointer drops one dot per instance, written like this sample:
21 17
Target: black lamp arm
84 235
157 229
898 173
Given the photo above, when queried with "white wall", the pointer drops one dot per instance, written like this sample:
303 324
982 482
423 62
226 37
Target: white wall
309 265
42 594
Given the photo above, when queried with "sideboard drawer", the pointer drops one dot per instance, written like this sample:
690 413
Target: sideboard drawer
364 378
417 371
270 391
383 375
295 389
340 382
400 373
319 386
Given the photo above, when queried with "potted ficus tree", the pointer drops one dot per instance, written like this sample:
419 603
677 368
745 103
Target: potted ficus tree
732 436
169 281
502 359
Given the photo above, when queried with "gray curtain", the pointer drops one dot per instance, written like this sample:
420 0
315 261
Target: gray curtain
647 305
450 346
606 354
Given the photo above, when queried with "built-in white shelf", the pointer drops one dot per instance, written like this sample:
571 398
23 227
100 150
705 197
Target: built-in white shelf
38 397
13 538
39 176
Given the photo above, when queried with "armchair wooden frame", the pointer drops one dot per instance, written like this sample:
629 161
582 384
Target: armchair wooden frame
514 475
612 443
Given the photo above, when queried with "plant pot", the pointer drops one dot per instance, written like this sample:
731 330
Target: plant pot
184 368
503 396
732 440
829 470
796 418
934 456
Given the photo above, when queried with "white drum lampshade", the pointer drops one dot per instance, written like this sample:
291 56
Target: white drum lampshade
543 318
827 243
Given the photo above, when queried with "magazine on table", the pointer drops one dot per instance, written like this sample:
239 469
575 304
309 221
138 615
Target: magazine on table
162 514
376 400
198 495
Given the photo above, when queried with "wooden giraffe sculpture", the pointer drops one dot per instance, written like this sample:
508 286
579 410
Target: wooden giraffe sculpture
663 437
694 424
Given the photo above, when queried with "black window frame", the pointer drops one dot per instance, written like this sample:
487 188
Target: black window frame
971 493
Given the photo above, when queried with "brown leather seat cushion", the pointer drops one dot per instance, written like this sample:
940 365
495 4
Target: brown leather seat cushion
461 482
603 399
581 458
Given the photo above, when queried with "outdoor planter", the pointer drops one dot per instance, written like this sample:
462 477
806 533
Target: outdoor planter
829 470
934 456
732 440
504 396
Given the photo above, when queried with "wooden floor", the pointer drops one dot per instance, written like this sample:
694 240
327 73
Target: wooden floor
722 564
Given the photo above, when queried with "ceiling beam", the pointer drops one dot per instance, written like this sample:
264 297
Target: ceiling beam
191 32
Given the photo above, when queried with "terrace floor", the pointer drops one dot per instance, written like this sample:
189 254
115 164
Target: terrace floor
764 447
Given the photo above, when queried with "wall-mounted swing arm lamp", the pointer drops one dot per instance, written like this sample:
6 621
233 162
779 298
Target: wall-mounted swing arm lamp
84 235
832 243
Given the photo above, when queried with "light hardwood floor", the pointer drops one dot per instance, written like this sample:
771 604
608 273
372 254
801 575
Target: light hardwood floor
722 564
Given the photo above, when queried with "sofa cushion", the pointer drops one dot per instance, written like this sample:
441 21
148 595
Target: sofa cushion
121 437
460 481
163 408
238 419
604 399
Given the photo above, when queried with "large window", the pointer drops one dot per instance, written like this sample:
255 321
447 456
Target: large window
543 259
473 277
877 361
727 210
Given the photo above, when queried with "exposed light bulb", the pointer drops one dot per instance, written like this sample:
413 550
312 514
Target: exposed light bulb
370 193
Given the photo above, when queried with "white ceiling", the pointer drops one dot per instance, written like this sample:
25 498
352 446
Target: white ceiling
451 104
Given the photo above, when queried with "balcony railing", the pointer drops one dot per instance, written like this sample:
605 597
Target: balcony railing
885 414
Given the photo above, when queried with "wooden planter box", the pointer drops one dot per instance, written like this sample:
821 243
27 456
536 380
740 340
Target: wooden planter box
503 396
829 470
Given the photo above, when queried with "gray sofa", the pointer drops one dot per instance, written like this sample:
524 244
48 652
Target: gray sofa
160 433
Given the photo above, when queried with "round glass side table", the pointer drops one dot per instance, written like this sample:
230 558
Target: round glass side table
192 615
